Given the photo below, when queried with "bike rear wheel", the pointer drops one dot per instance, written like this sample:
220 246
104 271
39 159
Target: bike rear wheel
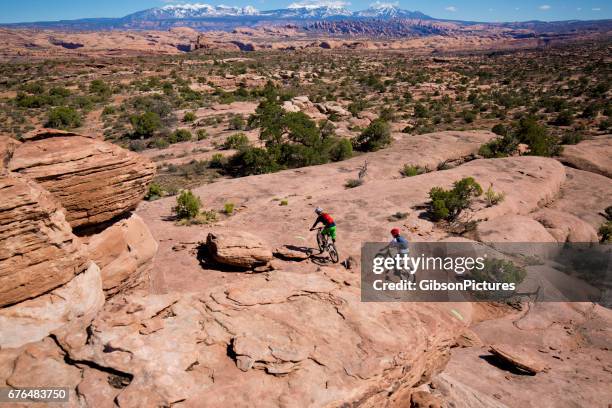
333 253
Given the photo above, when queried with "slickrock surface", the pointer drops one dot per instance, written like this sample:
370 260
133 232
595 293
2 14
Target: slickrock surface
565 227
591 155
38 251
277 339
93 180
123 252
514 228
32 320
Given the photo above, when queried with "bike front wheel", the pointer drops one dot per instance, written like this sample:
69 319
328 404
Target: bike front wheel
333 253
320 241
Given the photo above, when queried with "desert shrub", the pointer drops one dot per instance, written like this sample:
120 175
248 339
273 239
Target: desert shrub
411 171
397 216
357 106
108 110
530 132
420 111
341 150
500 271
146 124
100 88
376 136
571 138
155 191
252 160
492 198
217 161
160 143
136 145
228 208
448 204
468 116
564 118
189 117
187 205
201 134
605 232
499 147
500 129
180 135
236 141
236 123
63 117
352 183
283 202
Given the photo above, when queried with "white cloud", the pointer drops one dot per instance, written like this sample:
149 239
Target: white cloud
450 8
579 8
596 9
544 7
319 3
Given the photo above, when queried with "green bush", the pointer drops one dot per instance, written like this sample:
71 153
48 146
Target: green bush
146 124
564 118
187 205
180 135
540 143
253 160
155 192
498 270
376 136
341 150
228 208
500 130
571 138
605 232
100 88
284 202
236 123
202 134
189 117
63 117
411 171
236 141
502 146
448 204
217 161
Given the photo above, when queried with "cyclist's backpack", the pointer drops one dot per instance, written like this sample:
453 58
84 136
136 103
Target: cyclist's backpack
327 219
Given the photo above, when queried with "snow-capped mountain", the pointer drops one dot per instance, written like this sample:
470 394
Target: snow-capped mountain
314 12
197 10
388 11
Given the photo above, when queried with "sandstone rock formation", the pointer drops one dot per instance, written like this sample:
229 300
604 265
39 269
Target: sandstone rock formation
591 155
38 251
238 249
276 339
123 252
517 357
32 320
93 180
514 228
565 227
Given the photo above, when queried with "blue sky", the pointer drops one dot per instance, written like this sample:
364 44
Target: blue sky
476 10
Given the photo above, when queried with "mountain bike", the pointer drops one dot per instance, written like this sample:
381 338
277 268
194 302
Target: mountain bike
326 244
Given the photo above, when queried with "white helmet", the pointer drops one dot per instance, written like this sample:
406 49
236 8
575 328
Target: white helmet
318 210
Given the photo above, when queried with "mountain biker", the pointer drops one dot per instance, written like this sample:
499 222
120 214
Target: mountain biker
398 242
328 223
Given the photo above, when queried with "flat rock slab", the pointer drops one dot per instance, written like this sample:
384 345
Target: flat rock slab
518 357
591 155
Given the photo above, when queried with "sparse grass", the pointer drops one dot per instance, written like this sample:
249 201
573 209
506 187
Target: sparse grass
352 183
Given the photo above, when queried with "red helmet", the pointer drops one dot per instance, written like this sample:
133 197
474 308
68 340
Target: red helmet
395 232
